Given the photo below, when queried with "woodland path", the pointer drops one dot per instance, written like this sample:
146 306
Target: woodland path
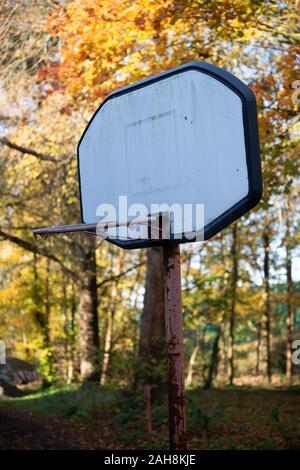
21 430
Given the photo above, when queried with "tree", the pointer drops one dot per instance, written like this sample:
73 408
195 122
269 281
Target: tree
52 78
152 335
233 289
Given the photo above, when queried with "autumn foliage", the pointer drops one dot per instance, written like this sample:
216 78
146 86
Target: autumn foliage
75 306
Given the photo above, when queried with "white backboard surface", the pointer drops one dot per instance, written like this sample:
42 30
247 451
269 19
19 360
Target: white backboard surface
178 140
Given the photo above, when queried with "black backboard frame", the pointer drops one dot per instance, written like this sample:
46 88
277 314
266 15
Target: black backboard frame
251 146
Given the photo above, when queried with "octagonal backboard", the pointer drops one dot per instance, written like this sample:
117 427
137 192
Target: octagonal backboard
187 137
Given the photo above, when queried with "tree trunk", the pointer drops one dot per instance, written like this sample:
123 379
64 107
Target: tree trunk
234 279
152 333
289 293
108 336
189 377
110 320
88 319
47 341
69 339
66 326
224 352
41 313
213 366
72 336
267 314
47 305
258 349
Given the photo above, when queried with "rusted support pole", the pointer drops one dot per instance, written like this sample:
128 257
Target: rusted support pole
174 339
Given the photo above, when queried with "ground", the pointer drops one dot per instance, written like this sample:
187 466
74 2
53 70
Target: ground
23 431
94 418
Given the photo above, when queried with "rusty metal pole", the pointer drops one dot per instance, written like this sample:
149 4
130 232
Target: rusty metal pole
174 339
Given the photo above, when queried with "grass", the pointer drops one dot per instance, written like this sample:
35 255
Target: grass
228 418
66 401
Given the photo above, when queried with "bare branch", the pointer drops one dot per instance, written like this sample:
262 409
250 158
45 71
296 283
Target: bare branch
118 276
25 150
34 248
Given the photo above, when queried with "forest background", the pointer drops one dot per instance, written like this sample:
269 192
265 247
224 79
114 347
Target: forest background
83 310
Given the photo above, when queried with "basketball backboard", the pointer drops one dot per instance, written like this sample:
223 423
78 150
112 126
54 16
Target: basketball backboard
187 136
